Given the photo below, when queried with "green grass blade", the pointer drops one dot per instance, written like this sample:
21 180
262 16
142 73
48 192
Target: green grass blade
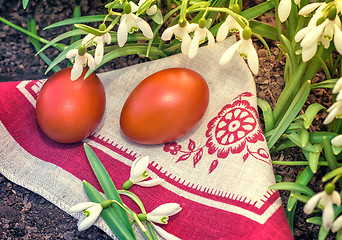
291 186
108 214
257 10
267 113
291 113
107 185
155 53
264 30
63 36
31 26
25 2
84 19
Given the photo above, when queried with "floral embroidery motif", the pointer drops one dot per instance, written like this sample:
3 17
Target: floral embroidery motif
233 131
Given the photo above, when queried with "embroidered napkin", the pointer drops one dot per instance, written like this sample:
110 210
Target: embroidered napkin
219 172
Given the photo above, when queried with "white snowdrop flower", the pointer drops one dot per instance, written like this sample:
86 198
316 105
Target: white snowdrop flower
307 9
325 199
91 212
181 32
139 174
98 41
284 9
245 48
230 24
161 214
150 11
337 141
81 59
201 33
337 224
335 111
164 234
130 23
338 38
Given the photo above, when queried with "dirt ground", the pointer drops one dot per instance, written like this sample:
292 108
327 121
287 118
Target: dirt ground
26 215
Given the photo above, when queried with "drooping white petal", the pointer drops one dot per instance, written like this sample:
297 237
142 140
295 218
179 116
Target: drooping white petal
338 38
72 53
284 9
312 202
309 52
328 215
336 198
95 212
122 31
150 183
193 48
186 41
211 39
91 60
77 69
338 86
191 27
139 166
99 51
144 27
229 53
87 39
167 209
337 224
167 34
337 141
307 9
81 206
334 110
297 2
222 32
107 38
164 234
152 10
339 96
252 59
313 35
301 34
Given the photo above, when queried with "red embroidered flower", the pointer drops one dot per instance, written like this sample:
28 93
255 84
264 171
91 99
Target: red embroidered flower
235 125
172 147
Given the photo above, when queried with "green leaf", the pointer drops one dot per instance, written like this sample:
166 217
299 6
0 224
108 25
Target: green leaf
291 113
323 233
303 178
314 158
62 55
332 174
157 17
315 220
89 29
317 137
25 2
77 13
264 30
65 35
295 138
257 10
267 113
107 185
84 19
291 186
329 155
311 113
31 25
108 214
155 53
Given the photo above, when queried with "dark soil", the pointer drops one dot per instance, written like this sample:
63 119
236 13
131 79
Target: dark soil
26 215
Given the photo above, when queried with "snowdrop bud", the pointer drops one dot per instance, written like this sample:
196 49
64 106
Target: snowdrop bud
102 27
247 33
332 13
106 203
82 50
329 188
202 22
182 22
127 8
236 8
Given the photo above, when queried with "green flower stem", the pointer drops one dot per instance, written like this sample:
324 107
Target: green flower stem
182 14
42 40
238 18
285 97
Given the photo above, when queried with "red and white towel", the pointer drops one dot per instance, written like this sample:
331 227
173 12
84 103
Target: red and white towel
219 173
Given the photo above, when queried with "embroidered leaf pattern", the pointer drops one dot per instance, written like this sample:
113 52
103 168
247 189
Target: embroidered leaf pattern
191 145
198 156
213 166
183 157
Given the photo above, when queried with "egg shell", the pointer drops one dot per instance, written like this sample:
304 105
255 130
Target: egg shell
164 106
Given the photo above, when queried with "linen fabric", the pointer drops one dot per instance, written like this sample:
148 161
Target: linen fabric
219 172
